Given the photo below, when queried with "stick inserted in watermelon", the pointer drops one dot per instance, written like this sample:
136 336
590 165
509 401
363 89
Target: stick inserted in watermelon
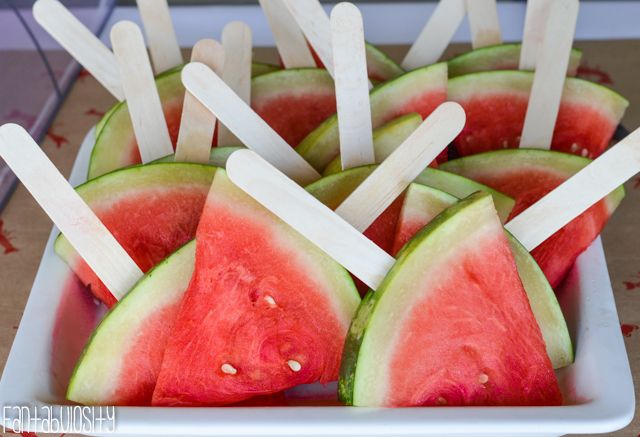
81 43
574 196
483 22
69 212
290 41
158 27
197 124
236 40
351 82
548 81
213 93
395 173
436 35
140 90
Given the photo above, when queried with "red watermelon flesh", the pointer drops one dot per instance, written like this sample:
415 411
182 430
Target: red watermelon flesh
496 102
265 309
294 101
527 175
447 327
151 210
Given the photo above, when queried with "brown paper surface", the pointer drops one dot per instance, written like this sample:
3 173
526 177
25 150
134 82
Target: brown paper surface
24 227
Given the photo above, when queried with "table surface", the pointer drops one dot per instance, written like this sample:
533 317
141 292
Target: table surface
24 228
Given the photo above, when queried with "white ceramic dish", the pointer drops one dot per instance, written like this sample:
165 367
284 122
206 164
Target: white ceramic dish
598 388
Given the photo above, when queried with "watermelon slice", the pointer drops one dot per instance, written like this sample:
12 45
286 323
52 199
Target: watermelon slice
308 100
279 91
419 91
265 310
450 324
151 210
496 102
386 139
499 57
121 362
527 175
422 204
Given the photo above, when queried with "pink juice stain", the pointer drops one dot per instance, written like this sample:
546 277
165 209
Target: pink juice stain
76 317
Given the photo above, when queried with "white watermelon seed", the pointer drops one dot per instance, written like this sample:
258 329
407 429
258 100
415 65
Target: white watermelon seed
584 152
294 365
270 301
574 147
441 401
483 378
228 369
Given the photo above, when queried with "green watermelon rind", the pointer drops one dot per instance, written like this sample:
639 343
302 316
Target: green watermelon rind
386 138
513 160
128 180
102 355
450 183
545 306
488 58
352 357
217 158
113 131
380 64
293 80
321 146
576 91
542 298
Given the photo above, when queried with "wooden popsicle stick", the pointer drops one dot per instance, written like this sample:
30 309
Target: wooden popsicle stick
484 23
533 35
143 101
352 90
574 196
395 173
291 43
309 216
158 27
197 123
436 34
84 230
81 43
236 40
238 116
314 23
548 81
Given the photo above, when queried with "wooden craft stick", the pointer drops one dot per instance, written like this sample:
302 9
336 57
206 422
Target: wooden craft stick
548 81
158 27
314 23
292 45
68 211
395 173
238 116
542 219
198 123
484 23
236 40
436 34
81 43
534 29
352 90
143 101
309 216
